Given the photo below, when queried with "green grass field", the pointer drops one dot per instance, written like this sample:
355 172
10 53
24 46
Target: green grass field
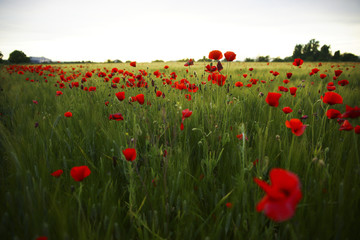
195 183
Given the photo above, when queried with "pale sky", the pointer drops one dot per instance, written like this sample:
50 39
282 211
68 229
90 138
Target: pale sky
145 30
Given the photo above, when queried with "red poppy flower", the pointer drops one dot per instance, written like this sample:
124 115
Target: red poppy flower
322 76
140 98
229 205
241 136
116 116
273 99
330 88
293 91
68 114
338 73
189 63
244 75
230 56
88 75
186 113
282 196
332 98
351 112
288 75
188 97
297 127
275 73
333 113
106 103
120 96
343 82
130 154
286 81
92 89
166 66
287 110
357 129
239 84
315 70
250 69
210 69
36 102
298 62
79 173
58 93
42 238
215 55
158 93
57 173
346 126
133 64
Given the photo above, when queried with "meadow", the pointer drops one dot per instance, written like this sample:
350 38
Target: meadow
205 147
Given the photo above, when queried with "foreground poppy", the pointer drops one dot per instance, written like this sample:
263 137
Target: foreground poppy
68 114
133 64
282 196
332 98
57 173
130 154
357 129
273 99
215 55
79 173
297 127
230 56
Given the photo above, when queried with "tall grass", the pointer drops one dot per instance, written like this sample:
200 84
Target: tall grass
181 195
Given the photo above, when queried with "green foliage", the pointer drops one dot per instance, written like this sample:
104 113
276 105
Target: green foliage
158 61
263 59
18 57
181 195
1 56
249 60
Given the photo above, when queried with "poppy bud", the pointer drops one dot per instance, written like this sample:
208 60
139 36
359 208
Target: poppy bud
277 137
321 163
315 159
36 124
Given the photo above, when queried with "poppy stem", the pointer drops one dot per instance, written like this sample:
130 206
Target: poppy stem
290 152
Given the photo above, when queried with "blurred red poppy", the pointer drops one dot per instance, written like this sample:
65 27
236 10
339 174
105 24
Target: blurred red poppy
68 114
343 82
338 73
57 173
120 96
130 154
282 196
357 129
230 56
293 91
297 127
133 64
58 93
229 205
322 76
239 84
346 126
273 99
79 173
351 112
116 116
88 75
287 110
333 113
158 93
332 98
215 55
298 62
140 98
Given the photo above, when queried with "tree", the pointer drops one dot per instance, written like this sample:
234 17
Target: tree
249 60
337 56
18 57
325 54
298 51
1 56
311 51
263 59
277 59
349 57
